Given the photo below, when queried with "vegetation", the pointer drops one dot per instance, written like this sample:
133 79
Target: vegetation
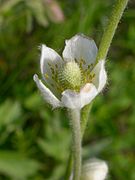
34 140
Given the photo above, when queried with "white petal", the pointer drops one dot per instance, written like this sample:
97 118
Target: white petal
80 47
88 93
74 100
49 58
100 75
46 93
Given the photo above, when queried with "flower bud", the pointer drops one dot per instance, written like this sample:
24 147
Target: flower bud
94 169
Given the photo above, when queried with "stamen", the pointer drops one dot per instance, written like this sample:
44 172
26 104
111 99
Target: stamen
46 76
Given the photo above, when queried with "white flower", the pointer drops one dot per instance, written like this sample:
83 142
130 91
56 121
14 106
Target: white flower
94 169
74 80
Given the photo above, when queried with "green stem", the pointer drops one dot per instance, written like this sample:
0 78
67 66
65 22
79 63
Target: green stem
111 28
84 119
69 166
76 135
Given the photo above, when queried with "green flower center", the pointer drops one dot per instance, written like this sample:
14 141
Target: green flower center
70 76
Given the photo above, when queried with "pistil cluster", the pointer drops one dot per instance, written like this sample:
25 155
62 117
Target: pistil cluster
71 75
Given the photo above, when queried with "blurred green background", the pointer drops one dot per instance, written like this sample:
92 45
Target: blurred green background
34 140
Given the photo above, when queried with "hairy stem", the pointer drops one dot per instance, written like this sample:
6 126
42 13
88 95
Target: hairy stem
84 119
111 28
76 146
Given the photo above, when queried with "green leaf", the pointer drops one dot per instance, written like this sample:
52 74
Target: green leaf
9 112
7 6
37 9
56 146
33 102
17 166
58 172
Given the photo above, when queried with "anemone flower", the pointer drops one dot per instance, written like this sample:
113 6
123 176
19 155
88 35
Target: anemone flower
74 79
